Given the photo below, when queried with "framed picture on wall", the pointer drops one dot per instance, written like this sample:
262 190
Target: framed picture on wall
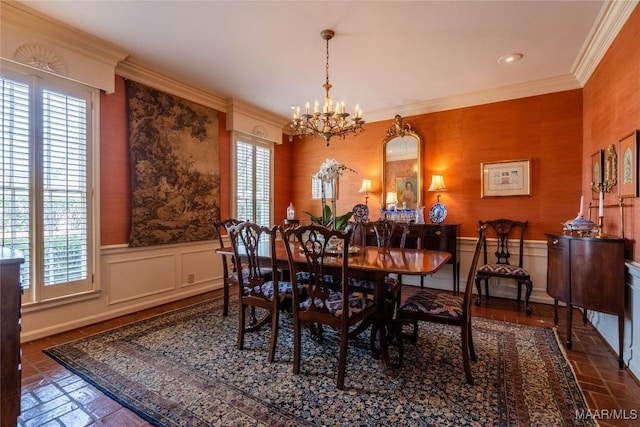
628 155
406 192
597 173
506 178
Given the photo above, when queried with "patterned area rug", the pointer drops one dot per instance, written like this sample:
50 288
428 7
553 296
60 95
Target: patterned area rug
182 369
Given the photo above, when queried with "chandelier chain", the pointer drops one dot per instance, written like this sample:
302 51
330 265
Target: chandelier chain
328 85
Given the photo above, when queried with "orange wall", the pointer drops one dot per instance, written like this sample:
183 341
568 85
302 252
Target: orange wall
115 170
611 112
559 132
546 129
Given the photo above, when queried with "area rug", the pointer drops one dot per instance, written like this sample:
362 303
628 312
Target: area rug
182 368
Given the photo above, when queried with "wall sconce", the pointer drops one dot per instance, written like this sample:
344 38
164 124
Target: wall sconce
438 211
366 189
392 200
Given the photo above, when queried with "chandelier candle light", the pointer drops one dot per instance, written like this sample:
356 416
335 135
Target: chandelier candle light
331 121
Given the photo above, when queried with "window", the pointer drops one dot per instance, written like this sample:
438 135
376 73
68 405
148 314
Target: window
46 197
253 159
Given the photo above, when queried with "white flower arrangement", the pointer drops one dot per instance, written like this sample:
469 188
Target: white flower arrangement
330 170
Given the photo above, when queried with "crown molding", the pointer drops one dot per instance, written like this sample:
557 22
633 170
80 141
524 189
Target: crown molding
502 93
256 113
132 70
249 119
19 17
612 17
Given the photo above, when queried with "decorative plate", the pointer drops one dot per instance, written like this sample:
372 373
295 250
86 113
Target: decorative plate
438 213
361 213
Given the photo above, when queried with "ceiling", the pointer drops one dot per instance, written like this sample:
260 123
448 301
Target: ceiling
386 56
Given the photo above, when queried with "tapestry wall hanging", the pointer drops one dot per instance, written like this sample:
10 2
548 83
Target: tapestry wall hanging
175 168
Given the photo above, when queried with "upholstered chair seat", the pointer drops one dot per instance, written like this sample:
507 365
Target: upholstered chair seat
390 285
435 303
503 269
333 303
266 290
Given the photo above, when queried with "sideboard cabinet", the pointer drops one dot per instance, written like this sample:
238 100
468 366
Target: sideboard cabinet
587 272
10 368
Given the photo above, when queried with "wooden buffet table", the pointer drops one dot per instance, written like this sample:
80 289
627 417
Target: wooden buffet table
587 272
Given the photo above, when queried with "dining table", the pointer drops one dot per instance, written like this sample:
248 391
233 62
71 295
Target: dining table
368 263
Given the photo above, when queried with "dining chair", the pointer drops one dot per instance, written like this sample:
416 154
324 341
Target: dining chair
386 237
322 305
229 270
359 224
440 306
260 287
504 231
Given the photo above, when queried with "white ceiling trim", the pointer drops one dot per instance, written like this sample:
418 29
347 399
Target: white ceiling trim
612 18
141 74
503 93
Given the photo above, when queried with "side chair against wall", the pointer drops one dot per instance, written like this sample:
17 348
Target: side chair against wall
440 306
256 288
505 230
229 270
321 304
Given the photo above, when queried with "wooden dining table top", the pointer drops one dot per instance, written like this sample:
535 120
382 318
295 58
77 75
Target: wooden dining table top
370 258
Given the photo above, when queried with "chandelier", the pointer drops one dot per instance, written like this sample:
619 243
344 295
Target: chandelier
333 120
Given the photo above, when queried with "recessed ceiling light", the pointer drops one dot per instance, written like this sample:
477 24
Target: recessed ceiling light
512 57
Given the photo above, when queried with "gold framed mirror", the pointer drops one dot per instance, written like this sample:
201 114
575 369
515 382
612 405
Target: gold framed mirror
401 167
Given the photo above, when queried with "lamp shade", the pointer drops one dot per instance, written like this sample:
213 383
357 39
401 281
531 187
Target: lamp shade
437 183
366 186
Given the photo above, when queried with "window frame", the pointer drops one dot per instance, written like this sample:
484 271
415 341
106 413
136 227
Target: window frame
255 142
37 294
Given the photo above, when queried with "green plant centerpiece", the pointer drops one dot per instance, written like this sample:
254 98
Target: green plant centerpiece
329 172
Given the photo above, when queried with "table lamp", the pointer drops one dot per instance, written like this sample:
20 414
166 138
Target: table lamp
438 211
366 189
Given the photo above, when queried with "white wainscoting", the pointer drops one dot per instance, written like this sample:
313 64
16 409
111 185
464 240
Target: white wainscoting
132 279
607 324
535 261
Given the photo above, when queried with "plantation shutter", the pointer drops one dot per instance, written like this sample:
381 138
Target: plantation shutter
263 186
46 205
16 204
64 188
244 174
253 182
